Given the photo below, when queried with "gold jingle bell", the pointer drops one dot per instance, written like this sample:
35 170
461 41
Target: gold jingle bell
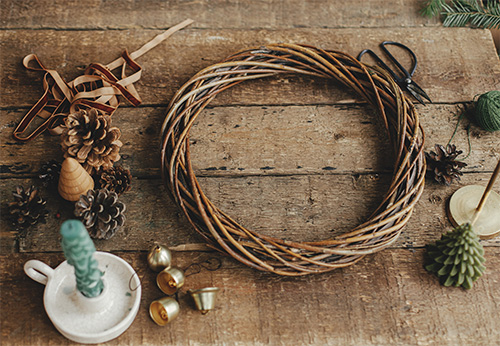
204 298
164 310
169 280
159 258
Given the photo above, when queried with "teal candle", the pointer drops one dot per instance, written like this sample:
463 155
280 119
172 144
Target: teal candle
79 249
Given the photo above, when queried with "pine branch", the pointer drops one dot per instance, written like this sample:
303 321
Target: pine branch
432 8
458 13
491 17
463 12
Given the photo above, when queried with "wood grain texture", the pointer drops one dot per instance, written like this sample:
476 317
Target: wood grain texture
350 306
305 208
462 65
313 124
269 140
157 14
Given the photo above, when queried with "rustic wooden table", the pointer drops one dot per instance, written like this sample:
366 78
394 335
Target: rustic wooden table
292 157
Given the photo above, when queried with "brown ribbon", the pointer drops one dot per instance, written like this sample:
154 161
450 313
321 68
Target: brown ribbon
98 87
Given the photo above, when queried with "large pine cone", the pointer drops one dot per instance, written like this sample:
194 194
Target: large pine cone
89 138
27 209
101 213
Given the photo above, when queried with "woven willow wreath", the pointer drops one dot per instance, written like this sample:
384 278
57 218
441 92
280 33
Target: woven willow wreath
280 256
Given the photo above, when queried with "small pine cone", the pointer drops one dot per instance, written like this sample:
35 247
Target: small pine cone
27 209
49 173
101 213
116 179
89 138
442 164
457 258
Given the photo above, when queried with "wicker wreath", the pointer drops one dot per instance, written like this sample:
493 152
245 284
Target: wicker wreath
281 256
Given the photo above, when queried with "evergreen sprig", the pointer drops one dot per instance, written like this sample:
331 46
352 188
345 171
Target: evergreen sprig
462 12
433 8
480 14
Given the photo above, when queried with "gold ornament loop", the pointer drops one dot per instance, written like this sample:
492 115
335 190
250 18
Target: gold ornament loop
280 256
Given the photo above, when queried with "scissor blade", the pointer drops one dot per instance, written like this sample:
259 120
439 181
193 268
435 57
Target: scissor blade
418 92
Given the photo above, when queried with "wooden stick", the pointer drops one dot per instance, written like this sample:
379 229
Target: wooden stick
486 193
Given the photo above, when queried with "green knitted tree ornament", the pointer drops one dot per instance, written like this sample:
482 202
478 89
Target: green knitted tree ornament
457 258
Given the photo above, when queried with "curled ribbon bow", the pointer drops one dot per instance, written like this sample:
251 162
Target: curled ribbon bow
98 87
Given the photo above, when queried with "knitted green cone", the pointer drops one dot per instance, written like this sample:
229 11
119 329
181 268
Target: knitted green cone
457 258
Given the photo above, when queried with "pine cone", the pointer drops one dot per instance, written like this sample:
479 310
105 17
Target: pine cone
457 258
90 139
27 209
443 165
49 173
101 213
116 179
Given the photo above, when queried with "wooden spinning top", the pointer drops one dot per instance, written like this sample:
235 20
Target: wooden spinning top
74 180
479 206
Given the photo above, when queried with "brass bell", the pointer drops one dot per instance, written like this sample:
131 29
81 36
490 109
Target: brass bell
159 258
204 298
169 280
164 310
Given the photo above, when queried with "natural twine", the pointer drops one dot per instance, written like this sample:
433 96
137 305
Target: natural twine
487 111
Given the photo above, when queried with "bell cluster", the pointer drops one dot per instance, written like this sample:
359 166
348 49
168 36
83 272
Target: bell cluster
170 280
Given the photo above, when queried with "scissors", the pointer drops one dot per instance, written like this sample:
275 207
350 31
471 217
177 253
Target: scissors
403 79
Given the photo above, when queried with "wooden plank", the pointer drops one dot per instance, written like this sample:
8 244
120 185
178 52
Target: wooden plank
303 208
351 306
454 64
228 141
248 158
495 33
157 14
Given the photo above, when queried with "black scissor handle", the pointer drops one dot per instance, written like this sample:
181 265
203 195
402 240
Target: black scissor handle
404 82
395 61
379 61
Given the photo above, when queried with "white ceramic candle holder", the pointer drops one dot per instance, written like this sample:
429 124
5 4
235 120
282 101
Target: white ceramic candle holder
89 320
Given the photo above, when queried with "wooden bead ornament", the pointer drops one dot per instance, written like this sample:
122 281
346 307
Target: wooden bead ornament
74 180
